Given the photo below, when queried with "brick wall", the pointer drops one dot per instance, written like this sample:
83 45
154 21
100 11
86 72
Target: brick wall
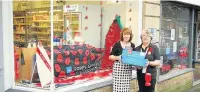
176 84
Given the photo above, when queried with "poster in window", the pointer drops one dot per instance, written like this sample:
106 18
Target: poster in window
180 32
174 46
172 34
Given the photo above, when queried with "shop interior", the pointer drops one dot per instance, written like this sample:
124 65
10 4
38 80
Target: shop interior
82 37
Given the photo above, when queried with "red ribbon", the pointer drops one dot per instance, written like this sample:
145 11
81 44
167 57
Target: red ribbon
43 59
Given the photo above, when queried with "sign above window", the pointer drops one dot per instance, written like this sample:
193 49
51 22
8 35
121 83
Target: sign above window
70 8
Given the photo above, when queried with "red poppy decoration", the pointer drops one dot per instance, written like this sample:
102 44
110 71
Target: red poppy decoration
86 17
100 25
102 50
98 49
150 49
92 57
66 53
87 53
88 46
77 61
99 56
101 15
56 51
74 52
59 58
86 28
80 51
57 68
85 60
67 61
72 46
62 74
86 8
72 73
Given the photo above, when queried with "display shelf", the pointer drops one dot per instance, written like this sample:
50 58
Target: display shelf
19 28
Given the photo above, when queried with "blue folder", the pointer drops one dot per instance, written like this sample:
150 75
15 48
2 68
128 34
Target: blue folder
135 58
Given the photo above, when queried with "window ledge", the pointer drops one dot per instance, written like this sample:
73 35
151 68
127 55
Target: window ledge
81 87
174 73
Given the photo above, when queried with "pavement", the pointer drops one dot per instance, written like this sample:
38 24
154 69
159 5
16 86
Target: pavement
15 90
194 89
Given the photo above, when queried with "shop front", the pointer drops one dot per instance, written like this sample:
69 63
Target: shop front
64 45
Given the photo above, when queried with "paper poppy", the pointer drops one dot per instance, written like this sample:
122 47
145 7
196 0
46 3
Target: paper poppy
67 61
89 46
92 57
57 68
74 52
86 28
66 53
100 25
77 61
101 15
62 74
87 53
85 60
150 49
72 73
86 8
56 51
99 56
86 17
80 51
59 58
72 46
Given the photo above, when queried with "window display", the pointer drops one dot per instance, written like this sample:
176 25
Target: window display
31 25
77 42
174 37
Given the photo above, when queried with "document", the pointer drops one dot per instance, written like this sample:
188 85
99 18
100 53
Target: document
134 58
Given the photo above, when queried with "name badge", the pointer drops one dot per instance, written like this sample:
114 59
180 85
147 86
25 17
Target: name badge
142 54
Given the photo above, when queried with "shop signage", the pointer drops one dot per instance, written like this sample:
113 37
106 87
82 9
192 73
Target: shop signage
70 8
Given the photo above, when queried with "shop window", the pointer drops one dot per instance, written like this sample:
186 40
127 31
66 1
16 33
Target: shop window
31 24
174 37
82 39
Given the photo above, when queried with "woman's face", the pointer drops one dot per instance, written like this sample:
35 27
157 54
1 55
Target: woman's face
146 38
126 37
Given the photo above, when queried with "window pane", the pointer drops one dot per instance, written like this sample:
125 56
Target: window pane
31 24
174 37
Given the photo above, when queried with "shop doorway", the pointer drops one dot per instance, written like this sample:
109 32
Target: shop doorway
196 61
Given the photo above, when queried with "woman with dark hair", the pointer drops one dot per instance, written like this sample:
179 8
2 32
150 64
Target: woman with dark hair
153 57
121 72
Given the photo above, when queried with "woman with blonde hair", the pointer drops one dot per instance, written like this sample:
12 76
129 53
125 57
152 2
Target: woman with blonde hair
121 72
153 56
